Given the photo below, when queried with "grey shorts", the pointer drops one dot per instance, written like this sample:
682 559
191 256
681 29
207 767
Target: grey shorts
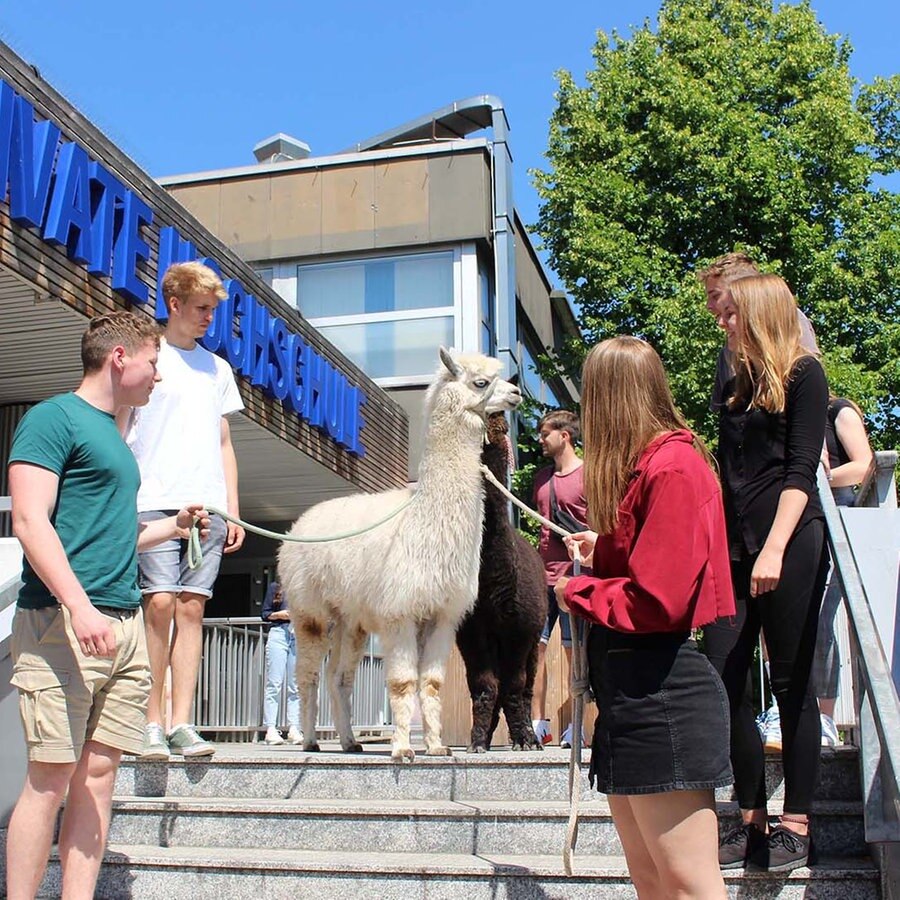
165 568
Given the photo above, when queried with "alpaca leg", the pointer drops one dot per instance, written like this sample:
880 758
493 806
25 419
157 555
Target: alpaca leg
401 656
438 640
481 677
348 644
483 687
513 680
312 644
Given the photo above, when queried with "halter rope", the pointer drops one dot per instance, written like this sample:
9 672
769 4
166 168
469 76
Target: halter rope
579 684
195 552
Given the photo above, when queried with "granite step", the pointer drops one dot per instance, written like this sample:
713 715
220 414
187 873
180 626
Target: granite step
208 873
431 826
255 771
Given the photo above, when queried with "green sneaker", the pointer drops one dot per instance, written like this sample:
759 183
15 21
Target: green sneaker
185 741
155 746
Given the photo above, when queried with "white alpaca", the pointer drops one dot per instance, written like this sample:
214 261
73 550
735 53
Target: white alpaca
409 580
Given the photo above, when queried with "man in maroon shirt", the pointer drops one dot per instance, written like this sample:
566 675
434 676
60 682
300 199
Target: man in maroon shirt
558 432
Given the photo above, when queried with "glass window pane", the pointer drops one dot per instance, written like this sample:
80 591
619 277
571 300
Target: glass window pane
423 281
530 378
338 290
487 341
486 297
376 285
386 349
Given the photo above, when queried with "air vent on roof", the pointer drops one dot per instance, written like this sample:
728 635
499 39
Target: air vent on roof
280 148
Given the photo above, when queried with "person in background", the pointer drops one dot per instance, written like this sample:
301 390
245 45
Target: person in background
847 458
558 495
182 442
281 663
771 432
78 650
716 279
660 569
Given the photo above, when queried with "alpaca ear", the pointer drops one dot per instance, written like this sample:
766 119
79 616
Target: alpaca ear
453 367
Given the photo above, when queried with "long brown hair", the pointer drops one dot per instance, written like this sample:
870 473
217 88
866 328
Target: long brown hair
768 342
626 402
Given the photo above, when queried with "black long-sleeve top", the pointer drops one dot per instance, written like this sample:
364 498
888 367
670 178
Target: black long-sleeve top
762 453
270 605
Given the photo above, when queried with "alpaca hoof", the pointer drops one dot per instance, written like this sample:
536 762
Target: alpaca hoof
403 754
528 745
439 751
312 747
477 748
355 747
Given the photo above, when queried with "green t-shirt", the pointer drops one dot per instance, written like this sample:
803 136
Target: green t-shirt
96 507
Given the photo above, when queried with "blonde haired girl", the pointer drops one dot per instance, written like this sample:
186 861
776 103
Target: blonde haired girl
771 431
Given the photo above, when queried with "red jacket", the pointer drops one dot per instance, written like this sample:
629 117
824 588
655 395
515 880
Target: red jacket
666 565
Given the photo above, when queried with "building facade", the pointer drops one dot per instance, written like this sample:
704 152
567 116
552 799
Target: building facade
397 245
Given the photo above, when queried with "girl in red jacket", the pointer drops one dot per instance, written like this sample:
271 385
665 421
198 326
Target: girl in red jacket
660 561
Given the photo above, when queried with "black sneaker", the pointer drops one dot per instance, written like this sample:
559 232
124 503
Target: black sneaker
783 851
736 848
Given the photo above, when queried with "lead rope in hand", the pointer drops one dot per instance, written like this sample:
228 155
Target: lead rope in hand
195 551
580 685
579 688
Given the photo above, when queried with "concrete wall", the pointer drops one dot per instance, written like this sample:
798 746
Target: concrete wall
346 207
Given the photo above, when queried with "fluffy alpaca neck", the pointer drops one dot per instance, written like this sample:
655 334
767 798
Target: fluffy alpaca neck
451 458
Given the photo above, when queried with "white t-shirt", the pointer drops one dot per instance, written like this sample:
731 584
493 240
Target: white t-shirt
176 437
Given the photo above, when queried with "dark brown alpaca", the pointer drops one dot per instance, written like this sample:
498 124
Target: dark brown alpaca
498 640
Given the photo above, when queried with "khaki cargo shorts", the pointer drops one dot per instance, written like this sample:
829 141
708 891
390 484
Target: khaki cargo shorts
67 698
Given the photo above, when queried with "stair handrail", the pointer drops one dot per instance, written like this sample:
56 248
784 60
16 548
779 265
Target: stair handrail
879 486
877 703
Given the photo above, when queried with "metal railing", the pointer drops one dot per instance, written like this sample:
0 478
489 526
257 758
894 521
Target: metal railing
231 685
877 703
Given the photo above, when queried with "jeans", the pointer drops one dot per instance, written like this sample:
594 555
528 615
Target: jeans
281 660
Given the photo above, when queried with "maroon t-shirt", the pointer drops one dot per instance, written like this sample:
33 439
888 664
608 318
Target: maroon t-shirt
569 490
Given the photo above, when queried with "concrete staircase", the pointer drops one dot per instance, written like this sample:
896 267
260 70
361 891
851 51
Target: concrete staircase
272 823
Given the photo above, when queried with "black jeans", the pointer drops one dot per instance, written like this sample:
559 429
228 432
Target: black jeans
789 618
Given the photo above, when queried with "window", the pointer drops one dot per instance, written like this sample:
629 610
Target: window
486 303
394 348
361 287
266 274
388 314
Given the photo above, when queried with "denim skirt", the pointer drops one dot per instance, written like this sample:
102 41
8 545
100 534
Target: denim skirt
663 721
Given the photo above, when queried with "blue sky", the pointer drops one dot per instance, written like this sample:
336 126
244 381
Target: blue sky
187 86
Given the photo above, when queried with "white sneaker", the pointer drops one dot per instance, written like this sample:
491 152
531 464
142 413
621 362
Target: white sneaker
542 730
830 736
566 740
273 736
295 735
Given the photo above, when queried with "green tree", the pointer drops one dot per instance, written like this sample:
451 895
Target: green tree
730 125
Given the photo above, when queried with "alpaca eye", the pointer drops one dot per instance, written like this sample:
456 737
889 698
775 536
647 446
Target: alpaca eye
481 383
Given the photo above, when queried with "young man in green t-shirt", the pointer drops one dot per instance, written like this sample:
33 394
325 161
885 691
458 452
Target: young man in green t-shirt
78 645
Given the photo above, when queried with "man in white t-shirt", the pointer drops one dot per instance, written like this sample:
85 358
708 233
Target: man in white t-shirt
182 443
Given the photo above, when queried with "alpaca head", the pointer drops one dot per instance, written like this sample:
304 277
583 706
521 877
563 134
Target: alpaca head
470 383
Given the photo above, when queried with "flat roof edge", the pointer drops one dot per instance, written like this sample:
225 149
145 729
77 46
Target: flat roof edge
317 162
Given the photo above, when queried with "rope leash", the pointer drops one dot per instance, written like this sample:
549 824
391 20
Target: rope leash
579 684
195 551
